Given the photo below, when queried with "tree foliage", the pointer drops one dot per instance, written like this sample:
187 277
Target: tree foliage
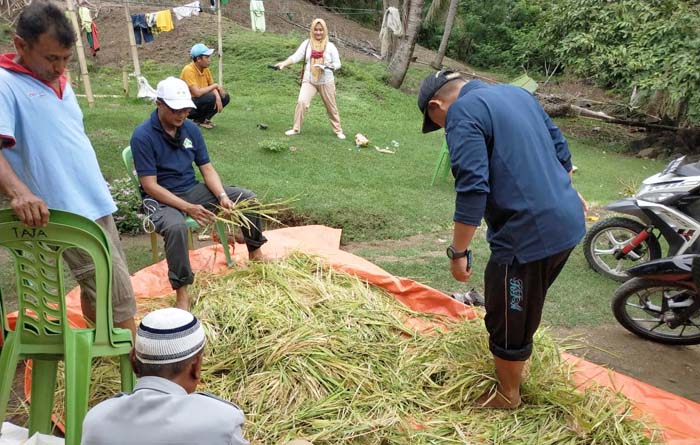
653 45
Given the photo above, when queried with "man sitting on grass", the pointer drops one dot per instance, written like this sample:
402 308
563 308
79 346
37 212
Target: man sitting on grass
209 97
164 147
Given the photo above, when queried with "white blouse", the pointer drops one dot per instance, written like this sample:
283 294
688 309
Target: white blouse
331 58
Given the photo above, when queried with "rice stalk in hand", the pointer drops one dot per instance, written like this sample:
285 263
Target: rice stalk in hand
243 210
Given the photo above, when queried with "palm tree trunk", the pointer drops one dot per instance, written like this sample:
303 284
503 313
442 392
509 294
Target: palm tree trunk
449 22
402 57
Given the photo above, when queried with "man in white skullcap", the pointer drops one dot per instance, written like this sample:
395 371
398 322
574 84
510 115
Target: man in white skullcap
164 407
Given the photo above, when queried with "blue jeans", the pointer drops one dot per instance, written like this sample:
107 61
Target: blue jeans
139 23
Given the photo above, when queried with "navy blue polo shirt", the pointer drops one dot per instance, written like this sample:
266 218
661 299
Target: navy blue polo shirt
156 153
511 164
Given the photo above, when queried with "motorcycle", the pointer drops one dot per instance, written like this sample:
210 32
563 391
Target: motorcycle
661 301
667 205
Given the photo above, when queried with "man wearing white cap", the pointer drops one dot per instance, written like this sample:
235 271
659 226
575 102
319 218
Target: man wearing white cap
164 147
164 407
209 97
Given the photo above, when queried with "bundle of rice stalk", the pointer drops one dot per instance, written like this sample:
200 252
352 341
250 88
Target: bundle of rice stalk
239 215
310 352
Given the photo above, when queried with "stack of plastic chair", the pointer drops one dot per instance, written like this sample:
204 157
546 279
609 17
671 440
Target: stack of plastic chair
128 159
42 332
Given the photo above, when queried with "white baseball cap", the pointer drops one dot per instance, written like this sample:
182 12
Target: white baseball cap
175 93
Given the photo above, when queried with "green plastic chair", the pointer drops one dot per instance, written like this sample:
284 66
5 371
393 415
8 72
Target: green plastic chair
443 161
128 159
3 328
525 82
42 332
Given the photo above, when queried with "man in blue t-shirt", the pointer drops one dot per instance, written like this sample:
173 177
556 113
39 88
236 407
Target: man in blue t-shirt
164 147
46 159
512 167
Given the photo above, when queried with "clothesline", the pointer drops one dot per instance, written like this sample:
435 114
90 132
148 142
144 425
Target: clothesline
225 7
146 2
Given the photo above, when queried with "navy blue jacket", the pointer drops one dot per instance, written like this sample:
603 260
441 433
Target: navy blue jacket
170 159
511 164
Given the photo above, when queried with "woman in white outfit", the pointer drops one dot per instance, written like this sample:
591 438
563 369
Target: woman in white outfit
320 60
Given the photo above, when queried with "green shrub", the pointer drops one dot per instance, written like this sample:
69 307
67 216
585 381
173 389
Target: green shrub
128 216
273 145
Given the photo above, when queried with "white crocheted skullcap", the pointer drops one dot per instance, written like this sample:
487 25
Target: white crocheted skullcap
168 336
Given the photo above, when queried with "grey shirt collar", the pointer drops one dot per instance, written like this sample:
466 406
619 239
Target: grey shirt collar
160 384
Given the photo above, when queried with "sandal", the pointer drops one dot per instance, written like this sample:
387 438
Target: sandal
207 125
471 298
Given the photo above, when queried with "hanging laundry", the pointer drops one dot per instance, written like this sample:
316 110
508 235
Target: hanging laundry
187 10
93 40
139 23
164 21
151 19
391 27
257 15
85 19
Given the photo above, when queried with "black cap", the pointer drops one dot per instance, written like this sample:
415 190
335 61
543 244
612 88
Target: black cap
428 88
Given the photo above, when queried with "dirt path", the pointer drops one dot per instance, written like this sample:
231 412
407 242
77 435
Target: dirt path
675 369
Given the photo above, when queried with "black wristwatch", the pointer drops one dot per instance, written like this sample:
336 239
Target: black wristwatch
453 254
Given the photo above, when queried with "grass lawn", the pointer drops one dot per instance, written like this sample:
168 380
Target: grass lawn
372 196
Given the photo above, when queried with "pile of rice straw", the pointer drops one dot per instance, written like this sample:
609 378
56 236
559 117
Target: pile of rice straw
308 352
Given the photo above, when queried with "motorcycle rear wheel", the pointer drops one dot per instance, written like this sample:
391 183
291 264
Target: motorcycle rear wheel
609 235
637 307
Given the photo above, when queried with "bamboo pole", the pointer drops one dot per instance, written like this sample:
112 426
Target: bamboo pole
125 81
221 46
81 53
132 40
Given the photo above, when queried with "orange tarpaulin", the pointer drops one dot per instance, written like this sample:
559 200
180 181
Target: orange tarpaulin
677 416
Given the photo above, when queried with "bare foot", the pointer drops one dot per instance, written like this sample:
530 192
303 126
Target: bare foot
497 400
257 255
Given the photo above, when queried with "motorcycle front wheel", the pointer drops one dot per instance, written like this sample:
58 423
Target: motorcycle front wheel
607 237
642 307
